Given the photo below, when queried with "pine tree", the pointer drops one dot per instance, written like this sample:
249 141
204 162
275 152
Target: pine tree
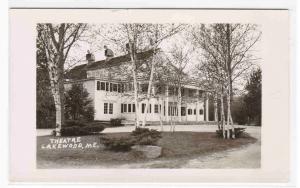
78 105
253 97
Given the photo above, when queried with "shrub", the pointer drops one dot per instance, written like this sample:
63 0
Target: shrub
239 132
145 136
72 123
117 144
93 128
53 133
73 131
116 122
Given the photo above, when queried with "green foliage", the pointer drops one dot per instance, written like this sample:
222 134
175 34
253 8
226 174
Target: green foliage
115 122
239 132
81 130
73 131
238 110
78 106
71 123
94 128
140 136
117 144
145 136
253 97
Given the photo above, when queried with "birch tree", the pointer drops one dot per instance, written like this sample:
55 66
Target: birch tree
57 40
156 34
133 38
230 47
179 58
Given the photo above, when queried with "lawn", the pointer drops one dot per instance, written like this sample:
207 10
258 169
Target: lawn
177 146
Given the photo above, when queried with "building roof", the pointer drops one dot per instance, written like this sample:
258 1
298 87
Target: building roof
79 72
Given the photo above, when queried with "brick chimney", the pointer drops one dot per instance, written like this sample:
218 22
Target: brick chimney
90 58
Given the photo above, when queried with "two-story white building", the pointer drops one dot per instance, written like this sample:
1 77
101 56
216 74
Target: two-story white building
110 86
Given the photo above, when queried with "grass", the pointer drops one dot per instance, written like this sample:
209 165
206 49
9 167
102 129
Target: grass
177 146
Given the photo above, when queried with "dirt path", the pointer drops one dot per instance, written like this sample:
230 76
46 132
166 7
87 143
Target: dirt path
245 157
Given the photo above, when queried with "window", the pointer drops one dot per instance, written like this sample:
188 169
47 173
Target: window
183 111
129 107
105 108
122 88
98 85
102 86
133 107
182 92
144 88
119 88
130 87
110 87
121 108
107 86
149 108
190 112
194 111
201 111
111 108
124 107
125 88
159 89
200 94
156 108
191 93
143 107
115 87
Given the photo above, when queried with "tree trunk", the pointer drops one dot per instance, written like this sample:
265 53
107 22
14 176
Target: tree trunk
216 115
160 118
229 117
149 91
135 86
179 103
223 116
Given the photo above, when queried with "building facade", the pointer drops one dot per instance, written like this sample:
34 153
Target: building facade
111 88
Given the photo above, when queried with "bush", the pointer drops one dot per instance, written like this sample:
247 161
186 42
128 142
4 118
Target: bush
93 128
72 123
145 136
239 132
73 131
116 122
117 144
81 131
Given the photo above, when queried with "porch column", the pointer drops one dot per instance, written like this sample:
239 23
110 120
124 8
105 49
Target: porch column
206 109
167 102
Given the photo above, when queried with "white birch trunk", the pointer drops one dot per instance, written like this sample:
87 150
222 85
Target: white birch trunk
149 91
223 116
179 103
135 85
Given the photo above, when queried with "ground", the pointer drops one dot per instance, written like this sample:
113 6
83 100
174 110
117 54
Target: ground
191 146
